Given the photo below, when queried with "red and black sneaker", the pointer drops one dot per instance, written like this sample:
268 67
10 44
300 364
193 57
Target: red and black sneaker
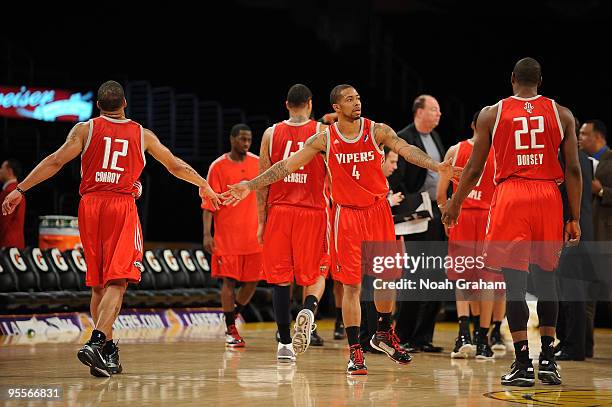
356 363
233 338
388 342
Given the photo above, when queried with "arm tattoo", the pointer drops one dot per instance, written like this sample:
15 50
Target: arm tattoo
280 170
187 168
271 175
411 153
262 193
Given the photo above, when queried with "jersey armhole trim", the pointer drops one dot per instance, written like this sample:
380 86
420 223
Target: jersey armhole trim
270 141
142 145
494 165
456 153
372 124
499 110
554 105
89 133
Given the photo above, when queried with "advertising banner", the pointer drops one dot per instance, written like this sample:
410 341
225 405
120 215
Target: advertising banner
23 102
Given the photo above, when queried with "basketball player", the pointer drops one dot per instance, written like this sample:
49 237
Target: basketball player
112 151
293 223
526 218
353 150
236 254
466 240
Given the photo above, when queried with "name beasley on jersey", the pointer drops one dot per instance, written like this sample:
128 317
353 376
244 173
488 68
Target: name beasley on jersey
296 178
108 177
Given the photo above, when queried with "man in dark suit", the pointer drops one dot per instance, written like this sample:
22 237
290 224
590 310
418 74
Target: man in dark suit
416 319
575 274
592 140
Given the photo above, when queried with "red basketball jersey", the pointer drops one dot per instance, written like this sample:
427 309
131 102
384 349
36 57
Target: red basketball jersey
304 187
355 167
480 197
113 156
526 139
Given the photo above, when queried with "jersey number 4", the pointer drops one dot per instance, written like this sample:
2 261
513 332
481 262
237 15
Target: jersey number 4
355 172
122 152
524 123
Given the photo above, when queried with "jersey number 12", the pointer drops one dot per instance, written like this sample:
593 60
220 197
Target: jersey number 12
116 154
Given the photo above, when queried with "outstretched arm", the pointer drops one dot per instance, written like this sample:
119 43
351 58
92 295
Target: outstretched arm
475 165
573 174
387 136
262 193
313 146
50 165
177 167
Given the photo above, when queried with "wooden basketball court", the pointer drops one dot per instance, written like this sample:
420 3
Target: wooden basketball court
193 368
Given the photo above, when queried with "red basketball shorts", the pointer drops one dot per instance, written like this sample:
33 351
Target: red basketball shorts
295 245
465 247
111 236
525 225
240 267
351 228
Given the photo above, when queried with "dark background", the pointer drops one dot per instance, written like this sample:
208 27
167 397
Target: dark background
246 55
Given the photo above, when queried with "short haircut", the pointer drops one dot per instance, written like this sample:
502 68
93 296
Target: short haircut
527 72
336 92
598 127
387 151
14 165
238 128
419 103
110 96
298 95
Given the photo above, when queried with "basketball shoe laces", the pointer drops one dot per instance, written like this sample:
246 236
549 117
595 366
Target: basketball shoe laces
357 353
395 341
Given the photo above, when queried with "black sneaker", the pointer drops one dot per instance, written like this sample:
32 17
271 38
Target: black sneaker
92 355
520 375
111 352
484 352
475 336
497 343
339 331
388 343
356 363
315 339
548 371
463 348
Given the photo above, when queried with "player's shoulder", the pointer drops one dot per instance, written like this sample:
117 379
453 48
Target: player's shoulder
218 162
251 156
563 111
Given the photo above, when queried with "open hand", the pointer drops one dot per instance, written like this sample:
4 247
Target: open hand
235 193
